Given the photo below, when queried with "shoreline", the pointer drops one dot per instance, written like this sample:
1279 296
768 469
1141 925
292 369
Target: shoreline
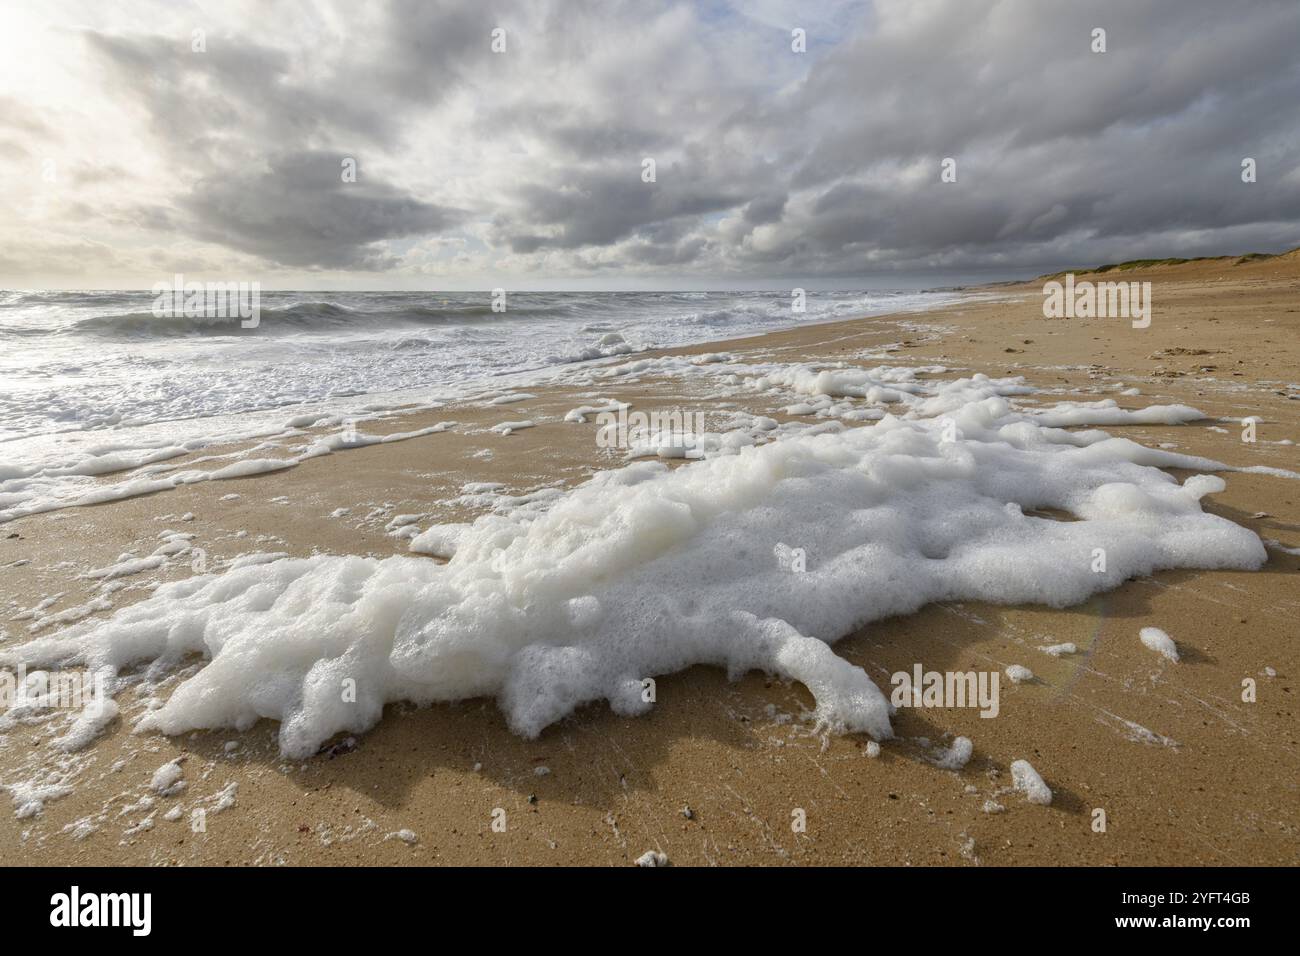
739 754
193 434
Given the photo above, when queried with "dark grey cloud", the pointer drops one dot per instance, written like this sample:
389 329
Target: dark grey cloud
224 114
1062 153
765 209
235 93
600 208
429 48
769 163
299 211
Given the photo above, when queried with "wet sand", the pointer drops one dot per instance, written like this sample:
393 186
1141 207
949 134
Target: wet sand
1185 770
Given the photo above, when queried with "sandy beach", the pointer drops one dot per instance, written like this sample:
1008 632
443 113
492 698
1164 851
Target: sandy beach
725 772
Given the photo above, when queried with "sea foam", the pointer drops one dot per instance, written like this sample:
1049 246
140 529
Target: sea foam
644 571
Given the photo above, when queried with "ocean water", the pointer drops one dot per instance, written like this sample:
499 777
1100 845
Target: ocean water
102 362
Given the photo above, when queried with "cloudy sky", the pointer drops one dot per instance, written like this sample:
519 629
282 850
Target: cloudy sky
127 154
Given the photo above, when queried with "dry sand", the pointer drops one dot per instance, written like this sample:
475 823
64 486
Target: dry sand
1213 780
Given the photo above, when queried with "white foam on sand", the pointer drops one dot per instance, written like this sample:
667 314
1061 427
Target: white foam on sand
440 540
508 428
1157 640
644 571
955 756
28 490
1027 780
87 726
1060 650
1018 673
166 780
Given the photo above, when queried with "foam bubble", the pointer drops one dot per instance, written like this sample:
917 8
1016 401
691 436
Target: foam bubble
1027 780
1157 640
